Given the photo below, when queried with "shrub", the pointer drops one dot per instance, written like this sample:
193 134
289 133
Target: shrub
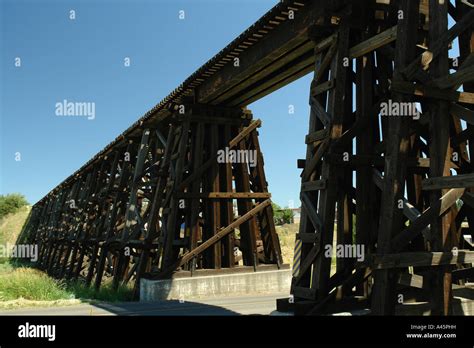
282 215
11 203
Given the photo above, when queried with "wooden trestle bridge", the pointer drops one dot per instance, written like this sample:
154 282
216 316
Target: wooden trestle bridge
157 200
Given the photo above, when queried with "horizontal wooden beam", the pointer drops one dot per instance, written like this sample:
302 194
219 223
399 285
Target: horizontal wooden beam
419 259
456 79
448 182
313 185
431 92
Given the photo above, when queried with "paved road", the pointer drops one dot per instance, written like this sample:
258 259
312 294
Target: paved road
243 305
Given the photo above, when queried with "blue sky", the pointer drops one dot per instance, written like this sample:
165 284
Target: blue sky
82 60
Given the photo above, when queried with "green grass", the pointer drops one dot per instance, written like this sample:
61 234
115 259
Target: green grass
106 293
21 285
19 282
30 284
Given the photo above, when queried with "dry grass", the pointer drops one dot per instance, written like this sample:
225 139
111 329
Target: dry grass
287 234
23 303
12 224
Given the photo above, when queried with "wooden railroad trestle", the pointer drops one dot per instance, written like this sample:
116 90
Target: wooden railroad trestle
400 187
164 201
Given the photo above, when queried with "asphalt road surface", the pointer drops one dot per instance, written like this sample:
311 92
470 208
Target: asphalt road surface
242 305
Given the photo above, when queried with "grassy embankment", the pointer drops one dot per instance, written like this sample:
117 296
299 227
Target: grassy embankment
23 286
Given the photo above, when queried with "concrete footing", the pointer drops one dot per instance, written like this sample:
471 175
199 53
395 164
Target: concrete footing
266 279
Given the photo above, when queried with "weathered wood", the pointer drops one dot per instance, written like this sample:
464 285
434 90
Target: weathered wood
421 259
446 182
389 220
374 42
234 142
219 235
431 92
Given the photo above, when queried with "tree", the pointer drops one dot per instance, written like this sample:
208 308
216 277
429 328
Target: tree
281 215
11 203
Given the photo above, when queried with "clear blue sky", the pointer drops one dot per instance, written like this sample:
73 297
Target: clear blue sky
82 60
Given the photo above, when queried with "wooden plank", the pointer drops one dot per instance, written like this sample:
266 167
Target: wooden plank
456 79
431 92
412 280
313 185
436 209
311 165
312 214
441 43
227 206
219 235
262 79
374 42
234 142
446 182
396 150
215 205
364 127
308 252
323 87
327 198
462 113
317 136
173 225
421 259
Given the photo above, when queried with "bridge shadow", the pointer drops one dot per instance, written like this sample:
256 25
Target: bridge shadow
164 308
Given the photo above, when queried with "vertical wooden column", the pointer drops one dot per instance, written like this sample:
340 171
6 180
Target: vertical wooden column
81 219
92 212
106 204
327 199
366 193
203 184
317 141
118 207
173 220
396 148
132 209
440 159
227 209
248 230
153 231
